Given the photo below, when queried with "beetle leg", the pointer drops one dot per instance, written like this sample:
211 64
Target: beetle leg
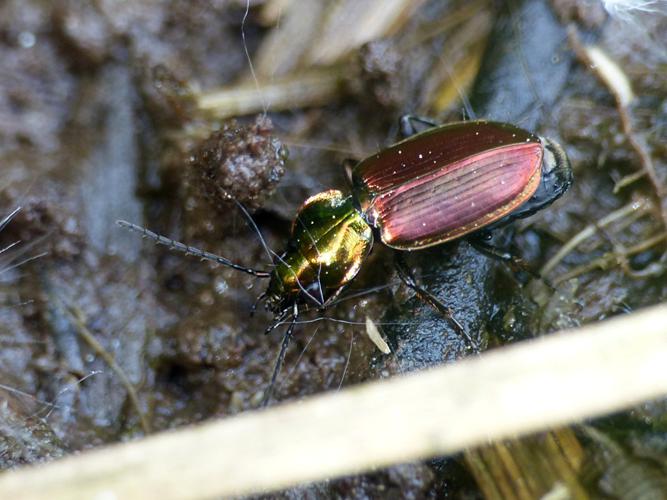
261 297
277 321
410 124
427 297
281 355
515 263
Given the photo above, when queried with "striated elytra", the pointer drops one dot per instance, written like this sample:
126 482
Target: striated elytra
446 182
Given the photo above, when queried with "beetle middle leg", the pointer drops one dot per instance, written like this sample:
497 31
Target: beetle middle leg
427 297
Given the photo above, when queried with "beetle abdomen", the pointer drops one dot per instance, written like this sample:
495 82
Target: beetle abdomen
447 182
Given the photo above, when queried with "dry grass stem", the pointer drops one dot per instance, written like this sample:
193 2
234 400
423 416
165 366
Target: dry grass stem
630 210
620 257
349 24
307 89
376 337
615 80
89 338
517 390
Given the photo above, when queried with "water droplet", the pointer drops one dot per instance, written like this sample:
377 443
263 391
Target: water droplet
221 286
27 39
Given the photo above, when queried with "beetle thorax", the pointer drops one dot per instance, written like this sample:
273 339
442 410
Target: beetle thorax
328 243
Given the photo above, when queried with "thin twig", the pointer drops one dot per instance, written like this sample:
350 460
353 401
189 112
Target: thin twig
89 338
518 390
312 88
619 257
615 80
640 206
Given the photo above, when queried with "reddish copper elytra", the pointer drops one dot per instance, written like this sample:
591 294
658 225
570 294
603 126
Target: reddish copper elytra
447 182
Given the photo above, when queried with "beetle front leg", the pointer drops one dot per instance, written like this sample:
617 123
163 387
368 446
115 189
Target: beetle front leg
278 320
427 297
281 355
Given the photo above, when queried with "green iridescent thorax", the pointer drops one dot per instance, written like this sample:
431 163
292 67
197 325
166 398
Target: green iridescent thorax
328 243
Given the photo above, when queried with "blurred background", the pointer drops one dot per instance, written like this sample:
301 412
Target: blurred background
146 111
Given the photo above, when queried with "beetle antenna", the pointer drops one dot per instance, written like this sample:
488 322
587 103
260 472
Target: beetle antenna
8 218
347 361
251 222
265 107
281 355
189 250
273 255
467 107
469 113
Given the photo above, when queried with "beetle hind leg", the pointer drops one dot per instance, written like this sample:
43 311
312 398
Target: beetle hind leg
516 264
427 297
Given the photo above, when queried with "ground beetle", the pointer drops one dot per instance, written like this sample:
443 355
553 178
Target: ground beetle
443 183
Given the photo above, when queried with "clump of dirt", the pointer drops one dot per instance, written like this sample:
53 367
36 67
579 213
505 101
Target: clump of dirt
242 163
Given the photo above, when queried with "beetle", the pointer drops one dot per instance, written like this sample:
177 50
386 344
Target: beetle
458 180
